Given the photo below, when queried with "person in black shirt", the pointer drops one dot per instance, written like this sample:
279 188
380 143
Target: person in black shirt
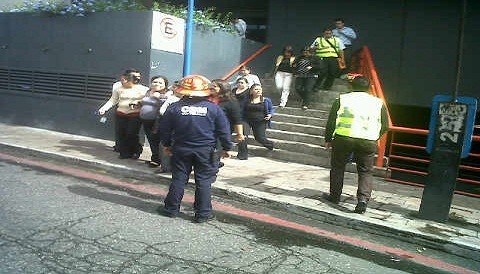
258 113
241 93
306 68
229 104
284 73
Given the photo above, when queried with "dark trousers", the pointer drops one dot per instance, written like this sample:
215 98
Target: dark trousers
116 133
364 153
259 129
347 53
153 139
304 88
329 73
128 130
242 146
202 160
158 156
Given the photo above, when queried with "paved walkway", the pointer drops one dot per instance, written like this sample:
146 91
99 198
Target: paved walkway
392 210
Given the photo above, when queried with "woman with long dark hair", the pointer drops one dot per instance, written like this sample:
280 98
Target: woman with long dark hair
223 95
127 97
242 94
284 73
258 113
149 114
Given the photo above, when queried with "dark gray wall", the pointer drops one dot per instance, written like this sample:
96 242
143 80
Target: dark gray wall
413 43
62 43
50 79
214 54
64 114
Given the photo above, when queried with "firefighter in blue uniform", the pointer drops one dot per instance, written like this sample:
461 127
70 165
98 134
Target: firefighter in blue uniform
189 131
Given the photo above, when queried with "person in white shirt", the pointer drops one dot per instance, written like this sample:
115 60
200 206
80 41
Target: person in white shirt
246 72
240 26
347 35
127 97
122 83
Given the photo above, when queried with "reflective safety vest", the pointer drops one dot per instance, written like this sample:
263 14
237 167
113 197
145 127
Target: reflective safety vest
323 48
359 116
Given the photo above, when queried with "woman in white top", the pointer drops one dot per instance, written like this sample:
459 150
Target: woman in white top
127 97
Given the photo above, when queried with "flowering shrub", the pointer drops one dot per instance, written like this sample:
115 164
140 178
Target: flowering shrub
207 18
77 7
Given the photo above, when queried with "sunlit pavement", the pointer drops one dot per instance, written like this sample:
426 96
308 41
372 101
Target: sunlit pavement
291 186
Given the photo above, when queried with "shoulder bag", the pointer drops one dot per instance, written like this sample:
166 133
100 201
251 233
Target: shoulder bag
341 62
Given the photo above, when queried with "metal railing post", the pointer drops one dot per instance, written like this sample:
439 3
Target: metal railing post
246 61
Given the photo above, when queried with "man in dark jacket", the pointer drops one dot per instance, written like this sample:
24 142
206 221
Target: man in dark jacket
189 131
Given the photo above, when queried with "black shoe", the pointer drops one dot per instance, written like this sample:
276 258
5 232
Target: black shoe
153 164
135 156
332 199
361 207
200 220
124 156
161 210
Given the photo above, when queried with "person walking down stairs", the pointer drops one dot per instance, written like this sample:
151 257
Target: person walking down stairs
306 68
258 113
284 73
330 49
241 93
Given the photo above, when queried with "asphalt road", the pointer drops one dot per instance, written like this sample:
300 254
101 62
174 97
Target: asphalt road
53 223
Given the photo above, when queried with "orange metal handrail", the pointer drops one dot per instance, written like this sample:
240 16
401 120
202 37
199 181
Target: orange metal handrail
418 131
246 61
423 132
364 65
367 68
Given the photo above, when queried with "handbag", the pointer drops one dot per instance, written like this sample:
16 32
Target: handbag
341 62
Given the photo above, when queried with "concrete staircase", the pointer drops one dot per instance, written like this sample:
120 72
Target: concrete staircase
298 134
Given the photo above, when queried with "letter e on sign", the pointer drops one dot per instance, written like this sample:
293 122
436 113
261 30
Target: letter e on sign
168 32
167 28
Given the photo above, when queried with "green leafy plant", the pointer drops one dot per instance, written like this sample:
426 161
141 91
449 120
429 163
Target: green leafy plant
208 18
76 7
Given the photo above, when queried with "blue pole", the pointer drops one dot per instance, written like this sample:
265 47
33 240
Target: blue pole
187 61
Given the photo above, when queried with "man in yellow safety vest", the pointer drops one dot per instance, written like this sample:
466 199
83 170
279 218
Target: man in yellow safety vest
330 50
356 121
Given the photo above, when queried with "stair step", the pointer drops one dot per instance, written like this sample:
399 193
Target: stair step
296 137
294 157
289 156
295 119
293 146
299 127
316 113
297 133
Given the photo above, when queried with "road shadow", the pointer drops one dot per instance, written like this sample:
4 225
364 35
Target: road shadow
133 202
99 150
93 148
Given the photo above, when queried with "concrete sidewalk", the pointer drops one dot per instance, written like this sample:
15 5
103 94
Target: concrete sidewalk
294 187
